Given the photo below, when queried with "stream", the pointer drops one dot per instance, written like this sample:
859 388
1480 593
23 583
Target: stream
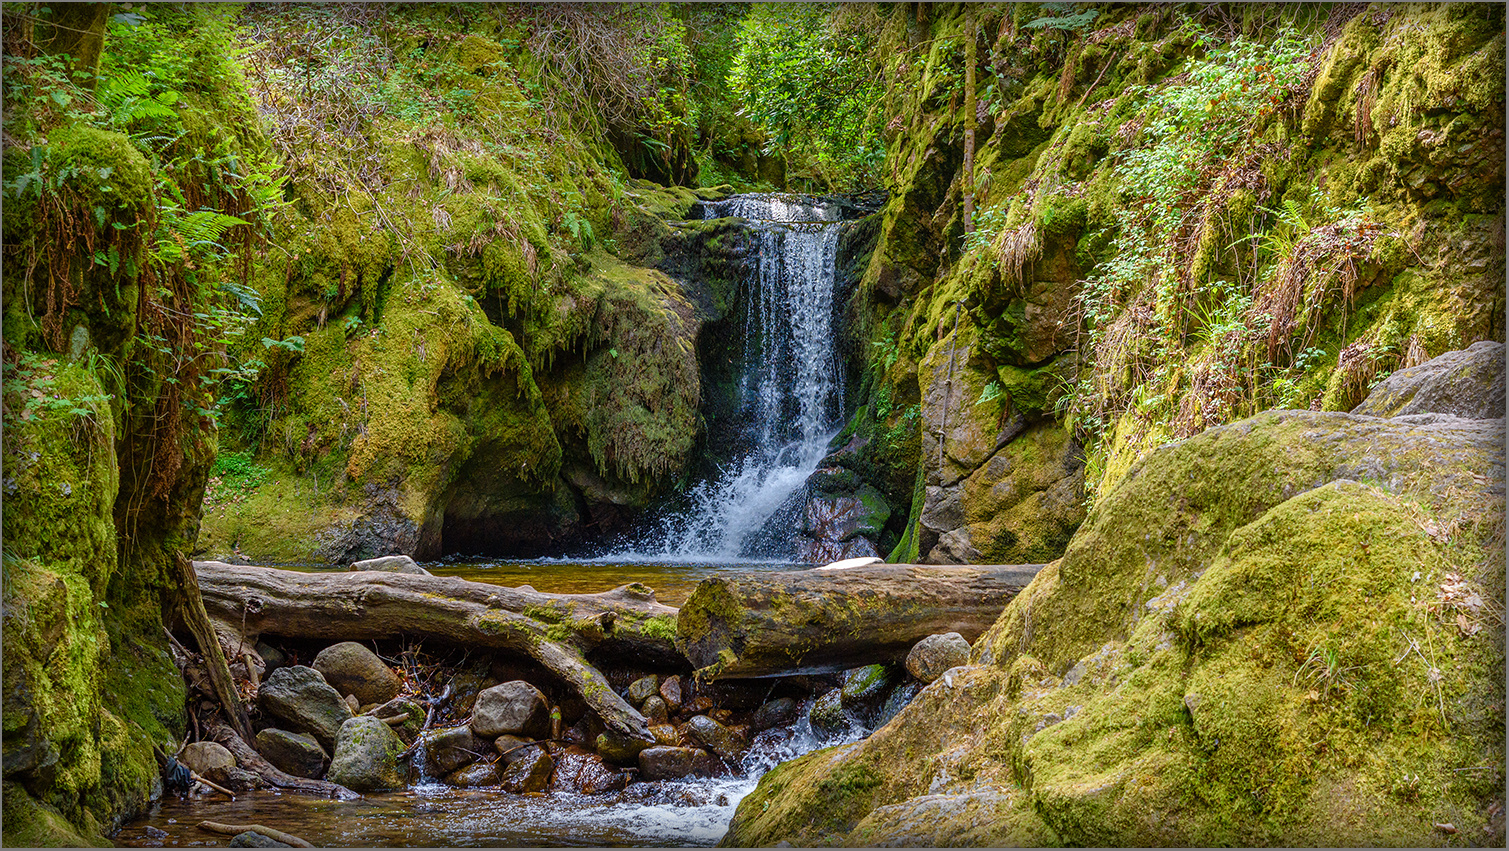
739 519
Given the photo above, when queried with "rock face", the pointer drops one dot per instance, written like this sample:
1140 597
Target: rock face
352 669
209 760
1467 384
511 708
391 564
935 654
367 757
300 697
293 753
1223 630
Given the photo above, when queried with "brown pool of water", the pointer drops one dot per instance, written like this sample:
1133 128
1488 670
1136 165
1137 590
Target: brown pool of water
673 582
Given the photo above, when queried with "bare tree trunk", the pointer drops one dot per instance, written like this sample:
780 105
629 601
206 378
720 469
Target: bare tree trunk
196 618
818 621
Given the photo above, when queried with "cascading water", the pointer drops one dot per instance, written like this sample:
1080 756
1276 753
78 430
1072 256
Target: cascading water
791 391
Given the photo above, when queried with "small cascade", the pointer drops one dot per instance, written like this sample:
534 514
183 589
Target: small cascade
791 392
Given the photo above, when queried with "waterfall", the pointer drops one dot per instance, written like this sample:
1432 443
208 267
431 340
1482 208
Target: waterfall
791 392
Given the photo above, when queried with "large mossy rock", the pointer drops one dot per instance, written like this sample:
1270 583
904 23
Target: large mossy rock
1276 632
367 757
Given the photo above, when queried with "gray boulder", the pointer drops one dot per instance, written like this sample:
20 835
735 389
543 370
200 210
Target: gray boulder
300 697
354 670
209 760
367 757
530 774
294 753
777 712
512 708
717 738
449 749
391 564
670 763
1468 383
935 654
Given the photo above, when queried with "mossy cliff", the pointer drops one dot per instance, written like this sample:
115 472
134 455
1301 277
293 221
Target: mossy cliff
1299 644
1183 216
480 334
116 307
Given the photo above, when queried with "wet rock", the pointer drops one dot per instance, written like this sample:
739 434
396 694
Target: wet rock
697 705
935 654
239 780
367 757
864 688
896 701
655 710
353 669
618 749
300 697
272 657
1468 383
719 739
294 753
641 689
209 760
529 774
827 717
586 773
464 689
413 712
449 749
665 734
253 839
391 564
512 748
844 526
670 763
672 693
511 708
778 712
476 774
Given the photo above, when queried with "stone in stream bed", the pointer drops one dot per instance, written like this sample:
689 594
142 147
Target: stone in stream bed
253 839
294 753
513 708
581 771
300 697
665 734
450 748
641 689
367 757
827 716
476 774
672 693
412 713
935 654
529 774
670 763
716 737
511 749
865 687
654 710
618 749
352 669
776 713
209 760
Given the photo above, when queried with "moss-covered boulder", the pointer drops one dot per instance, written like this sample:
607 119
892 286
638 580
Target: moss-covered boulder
1467 383
366 757
1276 632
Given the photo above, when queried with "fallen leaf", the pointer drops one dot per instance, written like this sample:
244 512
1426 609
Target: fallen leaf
1446 827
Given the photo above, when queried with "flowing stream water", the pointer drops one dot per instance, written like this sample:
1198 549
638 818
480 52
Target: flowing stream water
791 395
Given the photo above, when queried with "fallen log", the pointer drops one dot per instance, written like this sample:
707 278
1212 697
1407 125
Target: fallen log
769 624
270 833
556 630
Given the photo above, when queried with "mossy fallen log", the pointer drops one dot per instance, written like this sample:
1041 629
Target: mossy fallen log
769 624
556 630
